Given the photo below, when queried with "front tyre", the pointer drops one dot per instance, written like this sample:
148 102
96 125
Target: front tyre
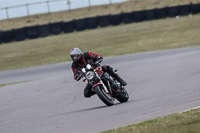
122 96
105 97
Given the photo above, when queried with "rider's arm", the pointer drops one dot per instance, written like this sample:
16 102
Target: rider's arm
94 56
77 73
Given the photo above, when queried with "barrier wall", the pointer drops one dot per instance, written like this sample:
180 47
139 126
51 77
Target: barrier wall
92 23
150 14
184 9
195 8
138 16
68 26
7 36
20 34
80 24
44 30
1 40
173 11
127 17
104 20
161 13
56 28
32 32
116 19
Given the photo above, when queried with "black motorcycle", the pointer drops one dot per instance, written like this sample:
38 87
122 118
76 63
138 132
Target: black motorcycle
105 86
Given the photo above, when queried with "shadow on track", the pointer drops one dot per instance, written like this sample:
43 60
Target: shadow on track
95 108
88 109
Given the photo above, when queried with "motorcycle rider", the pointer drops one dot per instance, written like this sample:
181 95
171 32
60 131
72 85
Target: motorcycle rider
80 60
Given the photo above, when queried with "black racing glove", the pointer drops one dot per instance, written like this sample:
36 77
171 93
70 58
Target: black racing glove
78 76
99 59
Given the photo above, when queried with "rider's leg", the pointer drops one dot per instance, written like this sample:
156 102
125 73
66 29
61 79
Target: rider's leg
109 69
88 92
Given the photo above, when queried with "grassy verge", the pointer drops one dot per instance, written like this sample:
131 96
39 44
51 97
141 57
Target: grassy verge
187 122
130 5
114 40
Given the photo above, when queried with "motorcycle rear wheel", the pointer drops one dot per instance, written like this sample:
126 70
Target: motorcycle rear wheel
105 97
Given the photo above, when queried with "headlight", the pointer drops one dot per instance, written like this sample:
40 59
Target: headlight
89 75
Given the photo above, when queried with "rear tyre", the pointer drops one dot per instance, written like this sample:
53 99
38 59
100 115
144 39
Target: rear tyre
122 96
105 97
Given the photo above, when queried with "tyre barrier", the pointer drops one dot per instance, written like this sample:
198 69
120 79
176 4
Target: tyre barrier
173 11
80 24
68 26
104 20
44 30
56 28
161 13
1 40
20 34
32 32
8 36
184 9
127 17
195 8
150 14
116 19
92 22
36 31
139 16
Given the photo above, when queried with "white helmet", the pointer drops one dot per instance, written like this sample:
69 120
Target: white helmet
76 52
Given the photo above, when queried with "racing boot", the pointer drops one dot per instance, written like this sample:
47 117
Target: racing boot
92 93
115 75
120 80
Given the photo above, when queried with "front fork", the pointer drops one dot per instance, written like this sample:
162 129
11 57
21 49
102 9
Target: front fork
106 89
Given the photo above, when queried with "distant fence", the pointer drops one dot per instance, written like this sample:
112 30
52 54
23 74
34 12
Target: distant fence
37 31
47 6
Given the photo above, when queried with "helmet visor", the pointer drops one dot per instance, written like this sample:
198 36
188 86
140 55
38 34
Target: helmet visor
74 57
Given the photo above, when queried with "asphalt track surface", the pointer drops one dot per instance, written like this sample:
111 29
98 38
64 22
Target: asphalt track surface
159 83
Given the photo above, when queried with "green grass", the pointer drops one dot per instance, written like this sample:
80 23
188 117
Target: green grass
187 122
128 6
114 40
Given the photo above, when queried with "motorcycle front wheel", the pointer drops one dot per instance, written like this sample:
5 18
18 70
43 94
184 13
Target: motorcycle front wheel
105 97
